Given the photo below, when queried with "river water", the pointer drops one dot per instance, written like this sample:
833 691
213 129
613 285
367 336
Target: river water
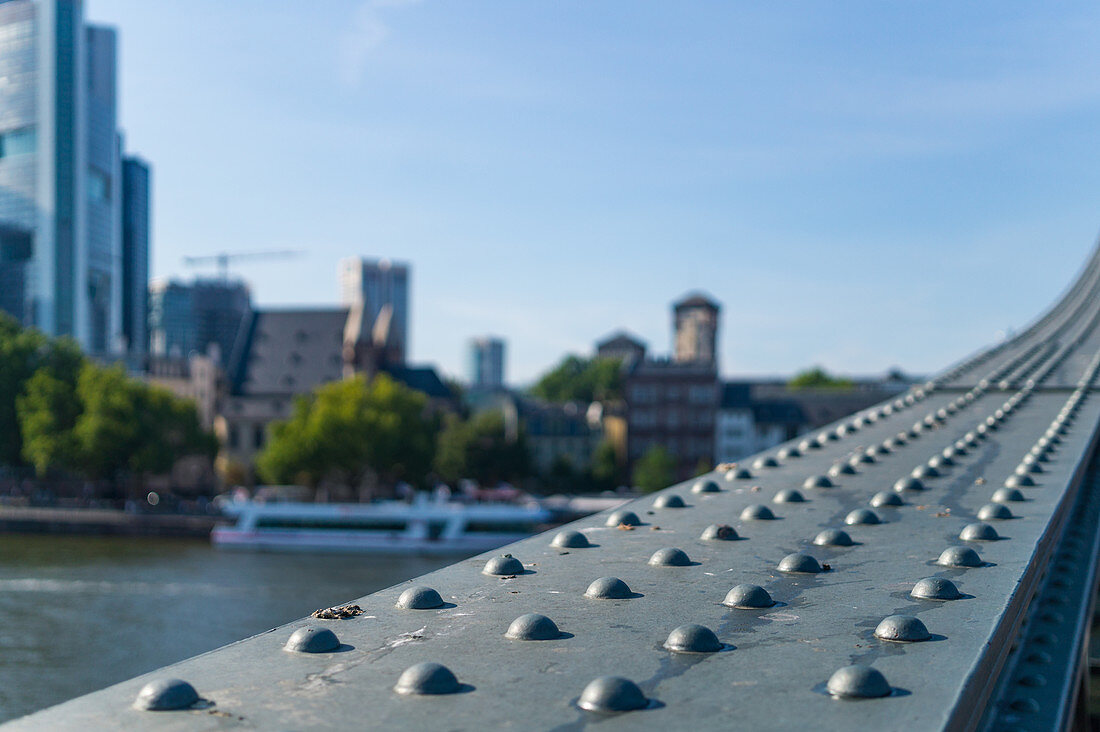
81 613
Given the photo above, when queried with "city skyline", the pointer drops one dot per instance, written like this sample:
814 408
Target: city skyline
553 175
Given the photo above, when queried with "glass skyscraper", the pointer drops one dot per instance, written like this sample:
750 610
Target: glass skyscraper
60 173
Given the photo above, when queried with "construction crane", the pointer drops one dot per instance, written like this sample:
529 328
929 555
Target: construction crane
222 259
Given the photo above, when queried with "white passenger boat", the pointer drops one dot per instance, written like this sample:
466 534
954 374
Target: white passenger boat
425 526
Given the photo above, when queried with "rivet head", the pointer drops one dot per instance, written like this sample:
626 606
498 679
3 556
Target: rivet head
925 471
885 498
739 474
787 453
1026 705
165 695
705 486
748 597
612 694
692 638
863 457
312 640
570 539
1007 495
503 566
789 496
994 512
858 682
901 438
935 588
864 516
902 628
608 588
623 518
978 531
817 481
427 678
841 469
1029 465
833 537
1033 680
908 484
765 462
959 556
939 461
419 598
719 532
757 512
669 500
669 557
807 445
1018 481
533 627
799 562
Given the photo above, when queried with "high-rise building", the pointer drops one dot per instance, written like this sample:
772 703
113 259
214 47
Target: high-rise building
188 317
695 326
60 173
135 254
382 287
486 363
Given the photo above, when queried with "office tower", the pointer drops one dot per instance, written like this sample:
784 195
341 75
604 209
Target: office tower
486 363
188 317
378 284
135 254
60 173
695 325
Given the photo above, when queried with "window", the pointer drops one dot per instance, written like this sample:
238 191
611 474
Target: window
700 394
18 142
99 186
258 436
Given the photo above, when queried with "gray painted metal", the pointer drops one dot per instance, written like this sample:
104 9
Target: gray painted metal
637 608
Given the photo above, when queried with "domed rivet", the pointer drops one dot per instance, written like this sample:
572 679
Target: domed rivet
833 537
739 474
863 457
748 597
757 512
862 516
1039 658
884 498
427 679
1033 681
503 566
902 628
807 445
925 471
165 695
669 500
799 562
935 588
705 486
419 598
994 512
1026 705
1029 465
789 496
959 556
939 461
817 481
623 518
1018 481
765 462
908 484
692 638
858 682
312 640
719 532
841 469
978 531
608 588
570 539
901 438
669 557
1007 495
533 627
960 447
787 453
612 694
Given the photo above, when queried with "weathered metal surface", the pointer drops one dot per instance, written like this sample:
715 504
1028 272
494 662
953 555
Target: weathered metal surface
840 611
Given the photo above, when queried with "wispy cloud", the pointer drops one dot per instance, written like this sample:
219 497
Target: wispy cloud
366 31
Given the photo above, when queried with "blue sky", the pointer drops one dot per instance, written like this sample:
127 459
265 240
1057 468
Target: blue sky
861 185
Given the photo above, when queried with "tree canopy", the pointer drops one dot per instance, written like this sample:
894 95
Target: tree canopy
654 470
818 378
480 448
578 379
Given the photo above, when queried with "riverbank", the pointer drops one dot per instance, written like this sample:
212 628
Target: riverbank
104 522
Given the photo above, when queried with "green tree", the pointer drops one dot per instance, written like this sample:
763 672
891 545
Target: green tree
108 431
654 470
607 473
480 449
349 428
48 410
581 379
818 378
